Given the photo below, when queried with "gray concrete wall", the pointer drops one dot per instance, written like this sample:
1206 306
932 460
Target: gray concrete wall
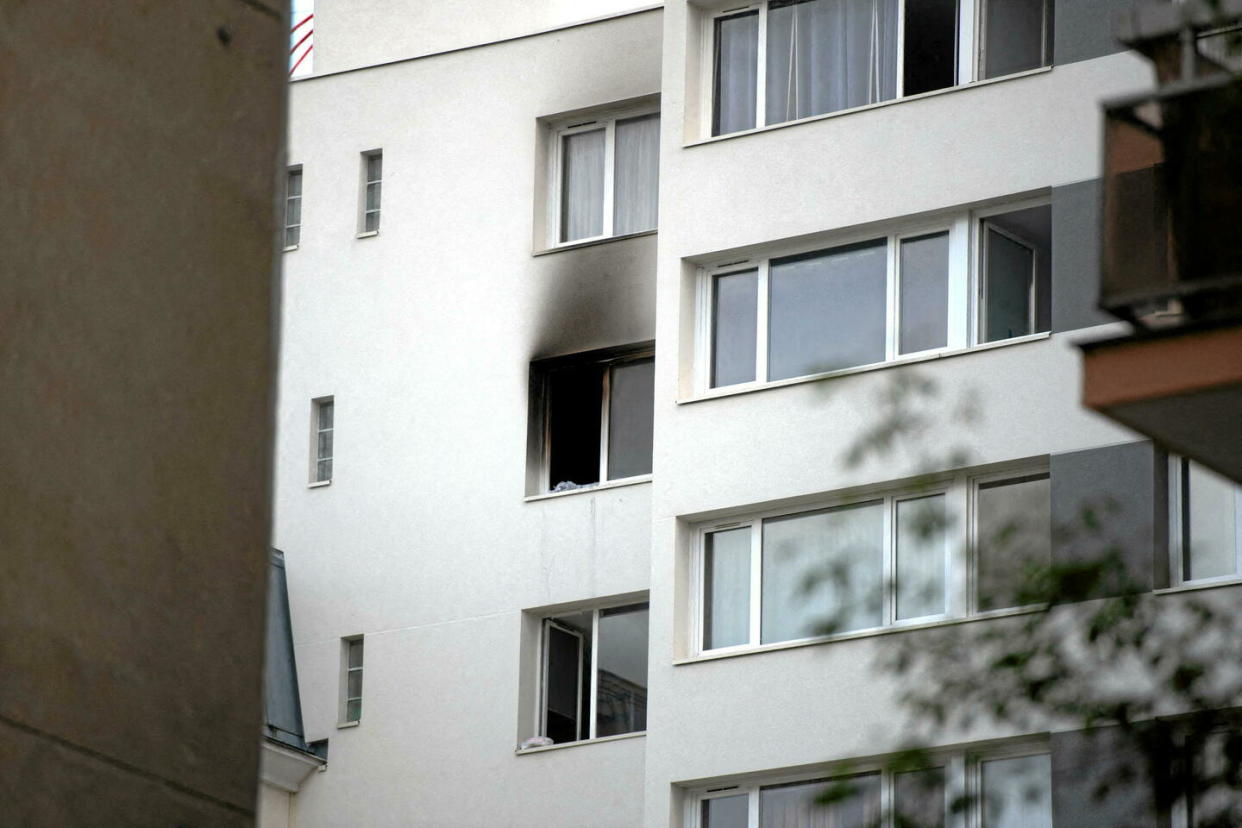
140 146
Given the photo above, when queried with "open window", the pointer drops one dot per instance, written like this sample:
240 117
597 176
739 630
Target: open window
593 672
1015 273
594 414
1206 524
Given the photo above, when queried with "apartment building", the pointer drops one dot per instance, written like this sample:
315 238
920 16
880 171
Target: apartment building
592 331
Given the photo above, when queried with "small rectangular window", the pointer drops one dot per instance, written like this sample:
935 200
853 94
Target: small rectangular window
372 182
725 812
293 207
1016 273
923 296
1013 538
735 305
607 171
726 589
919 798
1017 36
1208 523
921 555
594 673
351 679
598 414
1017 792
322 427
736 71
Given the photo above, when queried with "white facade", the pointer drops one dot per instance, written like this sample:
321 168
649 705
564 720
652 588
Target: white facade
428 541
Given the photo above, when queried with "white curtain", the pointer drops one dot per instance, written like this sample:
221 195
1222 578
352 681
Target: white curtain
794 805
636 174
727 614
737 57
582 185
826 55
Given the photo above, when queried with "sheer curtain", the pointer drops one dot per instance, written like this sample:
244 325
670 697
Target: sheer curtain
582 185
794 805
737 57
636 176
825 55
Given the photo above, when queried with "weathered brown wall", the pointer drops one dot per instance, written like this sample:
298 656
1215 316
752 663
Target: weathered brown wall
139 149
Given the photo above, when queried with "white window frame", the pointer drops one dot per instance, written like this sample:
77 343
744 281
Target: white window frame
365 179
591 683
343 719
289 172
968 69
606 362
605 119
962 770
965 302
1178 528
316 404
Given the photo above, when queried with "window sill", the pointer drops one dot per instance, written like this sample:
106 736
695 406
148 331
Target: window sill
290 248
343 725
319 484
867 107
367 235
581 743
733 652
577 245
595 487
751 387
1194 586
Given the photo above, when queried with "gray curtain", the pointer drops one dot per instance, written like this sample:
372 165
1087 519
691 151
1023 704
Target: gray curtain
636 175
737 55
826 55
582 185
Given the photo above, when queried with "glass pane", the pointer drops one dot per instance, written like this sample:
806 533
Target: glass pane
294 187
931 46
293 211
826 55
1014 526
373 195
631 411
1013 39
735 301
293 236
621 680
354 688
1017 793
726 588
827 310
794 804
636 177
924 293
920 801
371 224
375 167
567 674
822 572
726 812
325 414
325 445
737 60
921 557
353 710
355 653
1010 269
582 185
1212 520
323 471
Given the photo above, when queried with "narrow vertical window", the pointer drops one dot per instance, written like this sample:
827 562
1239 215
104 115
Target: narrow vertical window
1013 538
1211 523
924 293
293 207
726 588
930 54
567 664
631 417
582 185
1016 36
372 176
323 428
636 174
351 679
735 302
621 671
922 555
919 798
1017 793
736 72
1016 273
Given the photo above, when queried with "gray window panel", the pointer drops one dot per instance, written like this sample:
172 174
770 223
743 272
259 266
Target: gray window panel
582 185
795 804
294 213
373 195
1010 273
325 414
822 572
323 471
827 310
325 444
355 652
1014 535
636 174
921 556
1013 36
353 710
621 678
735 300
375 166
1017 793
726 588
736 70
372 222
294 184
1212 522
924 293
631 412
726 812
293 236
354 684
826 55
919 799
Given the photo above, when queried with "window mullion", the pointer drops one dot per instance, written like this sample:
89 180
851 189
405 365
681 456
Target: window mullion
610 135
756 583
892 299
967 36
889 571
753 807
959 283
606 388
594 673
761 324
761 67
901 49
